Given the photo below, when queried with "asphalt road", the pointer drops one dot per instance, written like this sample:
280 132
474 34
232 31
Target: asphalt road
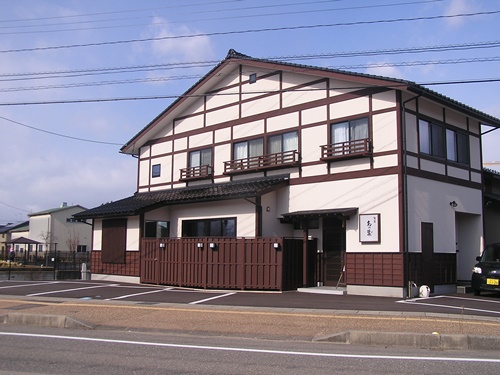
279 316
487 305
50 351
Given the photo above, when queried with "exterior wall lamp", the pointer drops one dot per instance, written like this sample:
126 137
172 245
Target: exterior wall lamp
276 245
212 245
453 204
200 245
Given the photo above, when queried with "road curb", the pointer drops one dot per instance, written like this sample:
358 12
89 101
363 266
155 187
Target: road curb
42 320
414 340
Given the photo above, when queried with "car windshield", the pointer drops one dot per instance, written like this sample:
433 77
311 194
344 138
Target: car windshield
491 254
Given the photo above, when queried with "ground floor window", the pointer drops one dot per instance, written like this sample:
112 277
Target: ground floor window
81 248
156 229
221 227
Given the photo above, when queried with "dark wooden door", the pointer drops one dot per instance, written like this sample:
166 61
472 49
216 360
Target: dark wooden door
333 251
149 261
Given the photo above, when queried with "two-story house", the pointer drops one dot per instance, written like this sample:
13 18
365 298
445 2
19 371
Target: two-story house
57 230
377 180
6 234
50 230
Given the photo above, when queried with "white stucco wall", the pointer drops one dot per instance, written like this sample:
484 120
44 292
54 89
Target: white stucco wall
369 195
429 201
60 229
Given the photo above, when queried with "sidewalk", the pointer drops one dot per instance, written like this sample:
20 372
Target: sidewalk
369 327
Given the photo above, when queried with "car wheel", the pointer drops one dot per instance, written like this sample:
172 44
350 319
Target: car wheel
477 292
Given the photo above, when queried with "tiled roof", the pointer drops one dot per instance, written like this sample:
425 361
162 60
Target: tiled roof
142 202
13 226
25 241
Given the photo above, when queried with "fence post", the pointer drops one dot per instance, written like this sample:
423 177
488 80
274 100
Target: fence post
241 253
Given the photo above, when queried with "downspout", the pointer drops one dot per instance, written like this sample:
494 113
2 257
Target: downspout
405 198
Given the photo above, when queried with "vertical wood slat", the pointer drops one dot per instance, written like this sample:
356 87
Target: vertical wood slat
131 267
385 269
234 263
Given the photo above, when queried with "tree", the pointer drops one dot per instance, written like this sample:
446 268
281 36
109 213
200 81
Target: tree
73 241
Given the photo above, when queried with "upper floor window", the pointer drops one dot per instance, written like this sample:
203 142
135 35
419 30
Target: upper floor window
280 152
348 139
156 170
457 147
200 165
200 157
283 142
431 138
347 131
248 149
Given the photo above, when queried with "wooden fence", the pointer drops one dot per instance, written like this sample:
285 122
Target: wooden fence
223 263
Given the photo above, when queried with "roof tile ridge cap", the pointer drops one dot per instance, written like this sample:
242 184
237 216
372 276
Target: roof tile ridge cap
232 54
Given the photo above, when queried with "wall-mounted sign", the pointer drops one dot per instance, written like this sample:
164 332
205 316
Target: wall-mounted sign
369 227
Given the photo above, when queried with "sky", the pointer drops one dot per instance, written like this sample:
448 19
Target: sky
80 78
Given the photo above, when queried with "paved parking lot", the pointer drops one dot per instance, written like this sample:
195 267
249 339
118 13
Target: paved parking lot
465 304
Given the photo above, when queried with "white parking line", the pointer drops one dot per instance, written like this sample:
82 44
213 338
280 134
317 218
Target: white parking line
211 298
138 294
414 302
27 285
471 299
69 290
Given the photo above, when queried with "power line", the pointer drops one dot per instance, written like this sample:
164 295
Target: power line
197 76
176 96
232 17
249 31
59 134
119 11
100 83
16 208
202 64
419 63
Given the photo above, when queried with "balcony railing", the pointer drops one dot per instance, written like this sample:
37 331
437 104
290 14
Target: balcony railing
346 150
196 173
263 162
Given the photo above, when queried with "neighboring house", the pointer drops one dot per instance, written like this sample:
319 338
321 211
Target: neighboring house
377 180
7 232
57 230
47 231
491 180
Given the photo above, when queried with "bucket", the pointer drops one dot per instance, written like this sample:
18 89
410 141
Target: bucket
424 291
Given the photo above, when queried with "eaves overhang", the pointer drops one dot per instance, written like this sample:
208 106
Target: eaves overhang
144 202
491 200
341 213
484 118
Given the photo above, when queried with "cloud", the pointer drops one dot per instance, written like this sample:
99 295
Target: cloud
385 71
178 49
459 7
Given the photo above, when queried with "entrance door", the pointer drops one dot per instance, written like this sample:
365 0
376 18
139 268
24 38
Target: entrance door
333 251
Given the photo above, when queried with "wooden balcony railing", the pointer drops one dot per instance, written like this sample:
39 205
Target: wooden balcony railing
196 173
346 150
263 162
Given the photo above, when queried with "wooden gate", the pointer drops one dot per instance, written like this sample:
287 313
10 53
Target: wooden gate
223 263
